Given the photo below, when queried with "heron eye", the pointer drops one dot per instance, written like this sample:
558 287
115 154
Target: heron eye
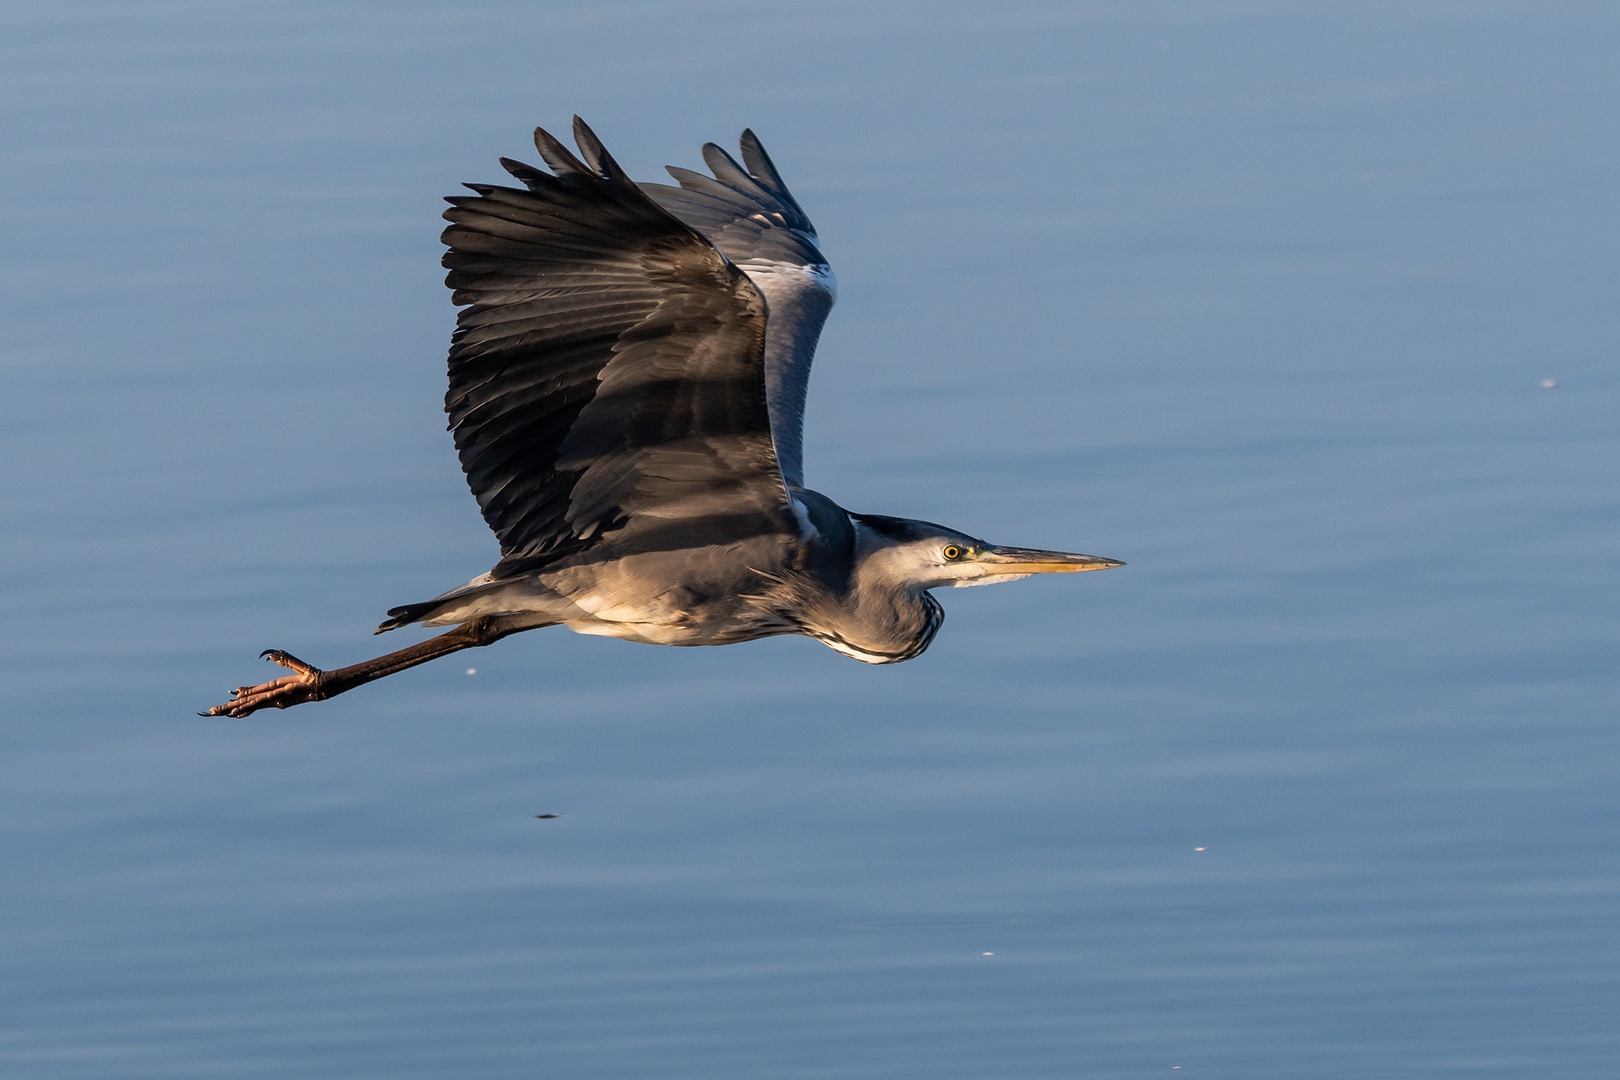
952 552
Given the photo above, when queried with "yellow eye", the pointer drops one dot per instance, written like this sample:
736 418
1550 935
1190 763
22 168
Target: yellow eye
952 552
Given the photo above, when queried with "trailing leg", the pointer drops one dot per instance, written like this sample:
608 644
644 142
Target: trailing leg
312 684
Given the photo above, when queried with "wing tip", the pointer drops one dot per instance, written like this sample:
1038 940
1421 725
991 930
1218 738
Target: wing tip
561 159
532 178
596 155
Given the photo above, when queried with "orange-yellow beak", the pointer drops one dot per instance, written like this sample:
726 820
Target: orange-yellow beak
1033 561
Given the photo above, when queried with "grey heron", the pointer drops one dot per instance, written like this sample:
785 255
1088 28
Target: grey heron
627 386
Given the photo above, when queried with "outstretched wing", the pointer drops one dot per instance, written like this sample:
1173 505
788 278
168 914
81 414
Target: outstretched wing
607 374
754 221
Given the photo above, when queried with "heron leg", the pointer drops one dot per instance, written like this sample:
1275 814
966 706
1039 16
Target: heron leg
310 683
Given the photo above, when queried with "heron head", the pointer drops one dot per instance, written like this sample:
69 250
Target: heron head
928 556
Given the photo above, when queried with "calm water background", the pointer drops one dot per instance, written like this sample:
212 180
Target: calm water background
1256 296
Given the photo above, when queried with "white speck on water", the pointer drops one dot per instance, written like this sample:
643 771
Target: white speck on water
472 671
1195 849
1548 384
989 954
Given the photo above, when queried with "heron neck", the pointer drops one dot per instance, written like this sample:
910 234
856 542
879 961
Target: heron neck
870 614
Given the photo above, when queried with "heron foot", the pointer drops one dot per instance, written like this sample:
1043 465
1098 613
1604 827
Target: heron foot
282 693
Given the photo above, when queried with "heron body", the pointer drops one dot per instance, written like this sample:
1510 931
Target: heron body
627 389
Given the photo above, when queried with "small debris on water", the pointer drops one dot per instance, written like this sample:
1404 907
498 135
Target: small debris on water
1548 384
989 954
1195 849
543 817
472 671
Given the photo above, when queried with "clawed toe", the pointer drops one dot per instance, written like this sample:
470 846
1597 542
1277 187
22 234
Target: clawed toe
288 660
279 693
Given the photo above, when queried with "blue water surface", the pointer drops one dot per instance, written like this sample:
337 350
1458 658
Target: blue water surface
1306 310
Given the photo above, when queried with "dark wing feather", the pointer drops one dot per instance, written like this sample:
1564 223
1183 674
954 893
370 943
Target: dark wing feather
756 223
606 374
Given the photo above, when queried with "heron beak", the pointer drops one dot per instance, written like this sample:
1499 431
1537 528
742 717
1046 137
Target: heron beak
1033 561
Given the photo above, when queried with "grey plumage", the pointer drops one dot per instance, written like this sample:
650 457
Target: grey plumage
626 391
752 219
605 375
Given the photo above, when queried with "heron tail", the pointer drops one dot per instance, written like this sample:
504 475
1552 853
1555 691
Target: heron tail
404 616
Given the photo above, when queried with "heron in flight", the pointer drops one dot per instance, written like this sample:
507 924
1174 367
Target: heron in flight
627 384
